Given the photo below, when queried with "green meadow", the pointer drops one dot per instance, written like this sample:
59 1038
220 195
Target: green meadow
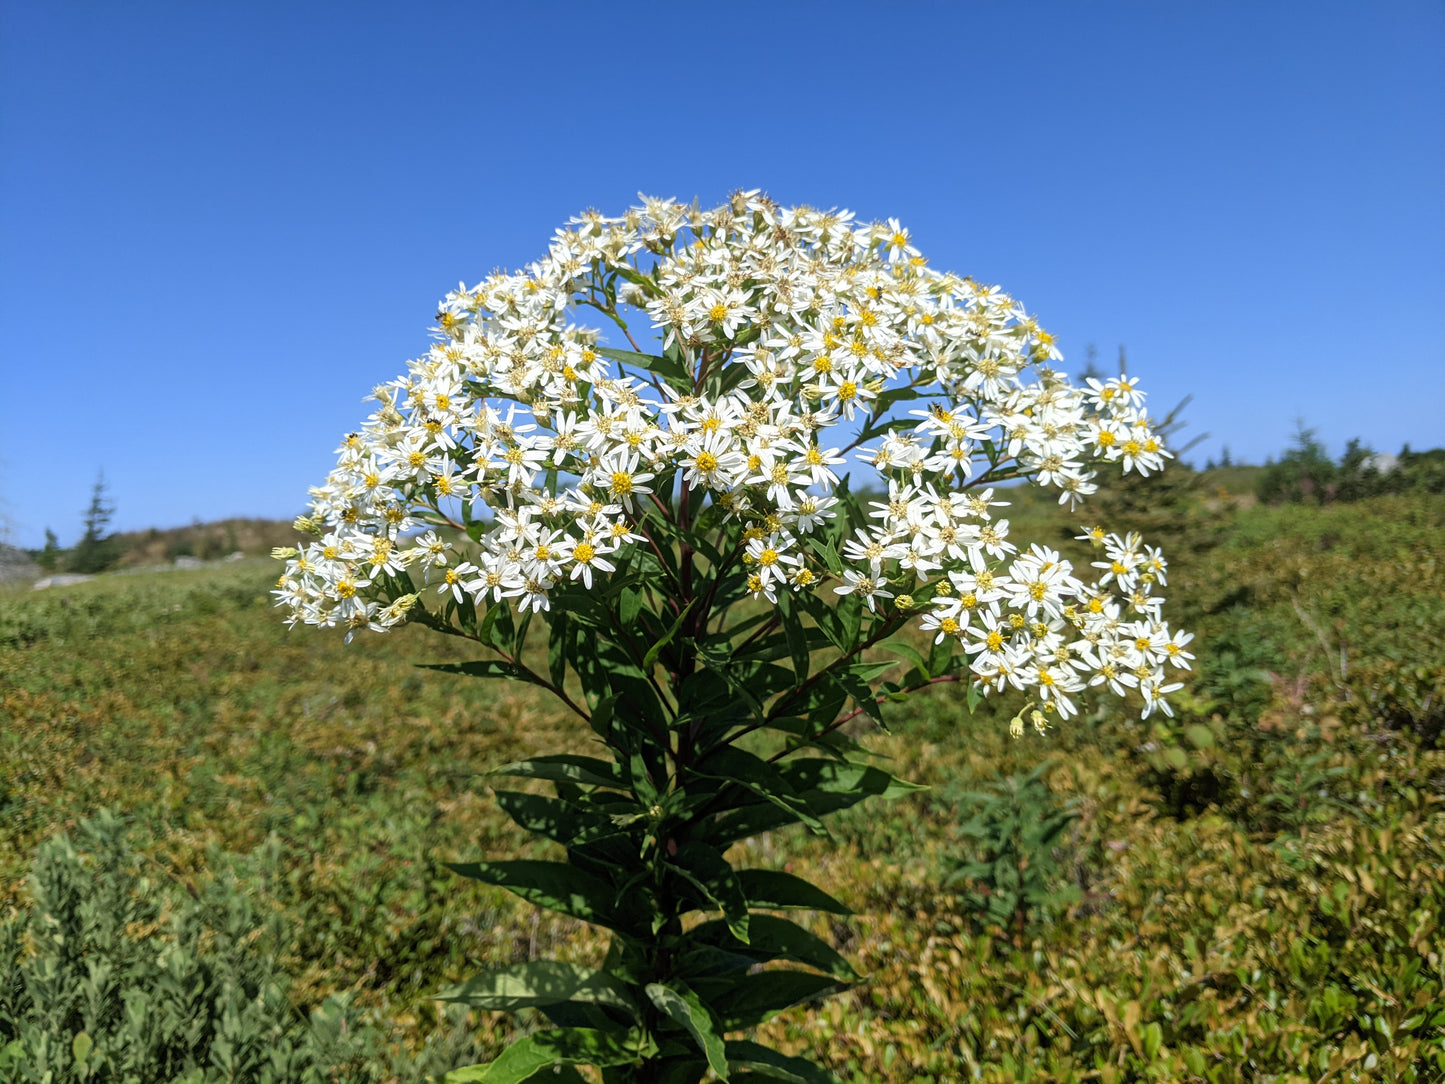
223 844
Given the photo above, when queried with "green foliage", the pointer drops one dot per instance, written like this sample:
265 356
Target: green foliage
1345 602
109 975
1307 473
1013 877
98 549
1304 472
1278 922
648 826
104 980
49 557
126 606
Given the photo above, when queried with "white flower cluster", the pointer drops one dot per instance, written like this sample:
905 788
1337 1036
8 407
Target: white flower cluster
539 452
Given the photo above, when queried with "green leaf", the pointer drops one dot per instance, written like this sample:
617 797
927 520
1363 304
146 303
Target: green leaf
1199 736
650 658
861 692
709 871
974 695
797 636
557 820
558 639
906 652
672 371
686 1008
748 1000
845 777
743 1054
822 786
525 1058
849 609
941 658
827 553
719 660
554 885
541 982
772 938
776 890
753 773
629 606
484 668
564 767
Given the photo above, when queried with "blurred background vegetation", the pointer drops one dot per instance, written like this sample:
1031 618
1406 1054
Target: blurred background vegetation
221 843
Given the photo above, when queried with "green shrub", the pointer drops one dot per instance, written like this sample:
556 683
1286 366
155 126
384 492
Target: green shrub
1013 877
109 978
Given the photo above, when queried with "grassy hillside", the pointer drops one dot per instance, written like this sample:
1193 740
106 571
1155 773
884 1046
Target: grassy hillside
207 541
1250 891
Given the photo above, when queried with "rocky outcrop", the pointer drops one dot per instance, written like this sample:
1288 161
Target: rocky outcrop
16 566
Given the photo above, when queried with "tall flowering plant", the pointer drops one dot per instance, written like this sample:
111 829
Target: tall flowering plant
674 517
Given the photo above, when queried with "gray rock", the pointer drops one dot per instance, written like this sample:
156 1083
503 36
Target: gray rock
189 562
16 566
65 579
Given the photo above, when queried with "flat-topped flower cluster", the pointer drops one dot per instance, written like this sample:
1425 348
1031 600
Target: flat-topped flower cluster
528 453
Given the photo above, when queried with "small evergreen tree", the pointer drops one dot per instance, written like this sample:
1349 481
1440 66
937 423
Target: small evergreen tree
49 557
97 549
1304 473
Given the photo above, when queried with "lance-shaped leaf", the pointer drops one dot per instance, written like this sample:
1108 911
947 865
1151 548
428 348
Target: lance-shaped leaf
911 654
823 786
685 1008
747 1000
706 869
776 890
843 777
754 774
541 982
546 1050
558 639
559 821
485 668
650 658
773 938
672 371
566 768
719 659
554 885
860 688
943 659
799 644
556 1074
746 1056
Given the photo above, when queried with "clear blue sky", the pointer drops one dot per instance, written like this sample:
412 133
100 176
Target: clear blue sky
221 223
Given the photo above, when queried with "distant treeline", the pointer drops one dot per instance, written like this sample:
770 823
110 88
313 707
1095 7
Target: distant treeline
137 549
1306 473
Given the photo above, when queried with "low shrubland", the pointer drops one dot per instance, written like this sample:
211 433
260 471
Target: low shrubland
1248 891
